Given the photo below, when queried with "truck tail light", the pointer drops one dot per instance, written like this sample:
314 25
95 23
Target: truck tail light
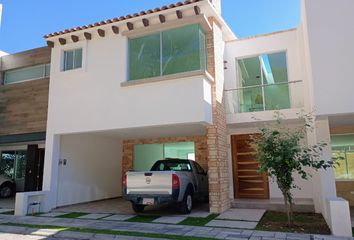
175 181
124 181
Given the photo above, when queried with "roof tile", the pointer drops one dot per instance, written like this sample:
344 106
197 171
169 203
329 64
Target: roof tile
122 18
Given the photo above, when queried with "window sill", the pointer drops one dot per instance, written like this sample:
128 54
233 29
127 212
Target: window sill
167 78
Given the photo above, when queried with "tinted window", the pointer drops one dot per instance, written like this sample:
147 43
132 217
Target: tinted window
172 166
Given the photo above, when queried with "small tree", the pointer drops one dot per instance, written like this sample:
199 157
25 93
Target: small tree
282 153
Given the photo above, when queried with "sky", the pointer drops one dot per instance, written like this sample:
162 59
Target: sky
24 22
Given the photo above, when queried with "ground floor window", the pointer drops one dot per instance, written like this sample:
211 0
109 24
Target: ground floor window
13 164
343 153
145 155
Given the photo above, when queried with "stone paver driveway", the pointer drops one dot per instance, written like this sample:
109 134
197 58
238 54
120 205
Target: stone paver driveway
233 218
166 229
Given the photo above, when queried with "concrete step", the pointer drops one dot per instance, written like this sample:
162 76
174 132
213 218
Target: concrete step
301 205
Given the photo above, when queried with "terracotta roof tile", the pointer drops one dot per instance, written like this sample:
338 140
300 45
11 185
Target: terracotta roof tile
122 18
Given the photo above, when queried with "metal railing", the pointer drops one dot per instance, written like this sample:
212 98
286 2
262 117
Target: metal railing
265 97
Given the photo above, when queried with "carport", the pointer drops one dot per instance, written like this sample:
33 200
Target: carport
91 165
89 168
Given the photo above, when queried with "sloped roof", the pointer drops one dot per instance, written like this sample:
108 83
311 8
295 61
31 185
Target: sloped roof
122 18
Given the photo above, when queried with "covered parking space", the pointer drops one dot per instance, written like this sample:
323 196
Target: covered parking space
91 165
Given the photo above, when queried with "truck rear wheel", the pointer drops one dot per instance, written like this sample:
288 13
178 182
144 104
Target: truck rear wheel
138 208
187 203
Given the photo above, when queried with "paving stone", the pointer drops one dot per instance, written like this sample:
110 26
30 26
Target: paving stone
12 229
3 210
52 214
94 216
43 232
255 238
118 217
104 237
74 235
235 237
199 214
232 224
263 234
169 220
253 215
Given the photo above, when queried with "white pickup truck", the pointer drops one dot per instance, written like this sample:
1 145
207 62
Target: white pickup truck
169 181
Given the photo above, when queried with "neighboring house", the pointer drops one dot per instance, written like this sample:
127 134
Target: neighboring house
176 82
24 85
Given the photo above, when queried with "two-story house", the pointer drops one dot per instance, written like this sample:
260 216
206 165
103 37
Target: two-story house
175 82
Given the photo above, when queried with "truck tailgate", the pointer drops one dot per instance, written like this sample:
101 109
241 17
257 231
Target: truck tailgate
149 183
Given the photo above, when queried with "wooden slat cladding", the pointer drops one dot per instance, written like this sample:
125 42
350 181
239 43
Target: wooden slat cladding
23 107
25 59
248 183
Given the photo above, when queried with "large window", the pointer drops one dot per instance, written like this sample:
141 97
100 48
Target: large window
13 164
343 154
145 155
72 59
169 52
26 74
263 83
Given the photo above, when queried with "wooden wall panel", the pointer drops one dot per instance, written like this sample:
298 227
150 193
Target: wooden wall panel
23 107
345 189
25 59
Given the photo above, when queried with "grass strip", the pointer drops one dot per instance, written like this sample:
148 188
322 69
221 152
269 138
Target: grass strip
72 215
143 218
197 221
109 232
9 213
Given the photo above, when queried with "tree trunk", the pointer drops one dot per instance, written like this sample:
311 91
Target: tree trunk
291 212
287 208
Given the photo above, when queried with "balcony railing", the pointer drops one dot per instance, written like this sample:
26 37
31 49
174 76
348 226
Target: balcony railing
265 97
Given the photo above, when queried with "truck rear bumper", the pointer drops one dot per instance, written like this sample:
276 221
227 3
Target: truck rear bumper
158 199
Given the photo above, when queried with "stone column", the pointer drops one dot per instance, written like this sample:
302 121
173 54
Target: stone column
217 134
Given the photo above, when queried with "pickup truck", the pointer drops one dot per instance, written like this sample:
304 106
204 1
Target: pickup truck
175 181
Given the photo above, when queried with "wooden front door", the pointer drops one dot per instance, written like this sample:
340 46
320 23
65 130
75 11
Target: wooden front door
248 183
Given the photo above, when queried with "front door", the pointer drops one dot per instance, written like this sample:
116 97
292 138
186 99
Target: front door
248 183
34 168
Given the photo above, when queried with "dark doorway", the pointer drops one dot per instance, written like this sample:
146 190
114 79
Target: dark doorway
34 168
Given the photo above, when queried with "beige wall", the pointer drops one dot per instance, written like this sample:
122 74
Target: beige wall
23 107
199 141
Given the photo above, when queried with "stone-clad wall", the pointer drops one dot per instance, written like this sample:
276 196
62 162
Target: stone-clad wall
199 141
217 133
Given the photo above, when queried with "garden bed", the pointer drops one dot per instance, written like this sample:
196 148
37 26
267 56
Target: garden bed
303 223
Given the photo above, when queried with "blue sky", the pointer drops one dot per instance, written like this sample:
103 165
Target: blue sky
24 22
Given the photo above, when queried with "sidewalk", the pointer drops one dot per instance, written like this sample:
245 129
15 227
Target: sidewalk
167 229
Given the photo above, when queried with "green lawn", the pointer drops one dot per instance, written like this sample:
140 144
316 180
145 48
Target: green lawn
72 215
195 221
110 232
143 218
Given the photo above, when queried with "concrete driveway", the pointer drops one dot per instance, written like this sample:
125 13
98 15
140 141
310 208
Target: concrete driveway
121 206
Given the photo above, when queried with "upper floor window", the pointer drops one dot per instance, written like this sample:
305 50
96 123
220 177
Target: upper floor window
26 74
72 59
169 52
263 83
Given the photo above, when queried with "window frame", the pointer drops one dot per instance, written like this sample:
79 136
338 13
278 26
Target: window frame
239 88
64 60
45 74
202 62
